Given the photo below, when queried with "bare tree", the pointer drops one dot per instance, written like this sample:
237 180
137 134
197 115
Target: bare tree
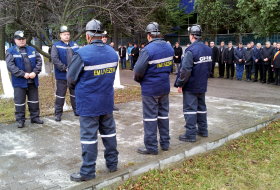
38 17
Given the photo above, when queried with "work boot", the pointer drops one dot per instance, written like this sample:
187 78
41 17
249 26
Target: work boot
186 139
37 120
113 170
202 134
78 178
20 124
57 118
164 148
143 150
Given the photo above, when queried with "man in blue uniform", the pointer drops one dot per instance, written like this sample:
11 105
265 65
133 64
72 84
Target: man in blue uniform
192 81
92 72
24 63
152 71
61 54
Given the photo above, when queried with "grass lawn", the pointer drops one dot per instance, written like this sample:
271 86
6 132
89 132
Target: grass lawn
251 162
47 98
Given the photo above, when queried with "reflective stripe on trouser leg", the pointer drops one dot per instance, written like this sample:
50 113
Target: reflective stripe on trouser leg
72 99
33 102
190 113
88 132
163 121
107 131
202 115
150 114
61 88
19 100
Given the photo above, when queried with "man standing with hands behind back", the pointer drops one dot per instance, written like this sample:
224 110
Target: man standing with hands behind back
61 54
192 81
93 76
24 63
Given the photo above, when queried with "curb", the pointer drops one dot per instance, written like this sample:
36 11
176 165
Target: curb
166 162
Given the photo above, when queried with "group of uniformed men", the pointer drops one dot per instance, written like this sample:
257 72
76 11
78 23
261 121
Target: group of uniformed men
90 70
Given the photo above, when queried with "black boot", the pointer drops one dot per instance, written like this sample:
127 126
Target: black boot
78 178
143 150
186 139
57 118
37 120
20 124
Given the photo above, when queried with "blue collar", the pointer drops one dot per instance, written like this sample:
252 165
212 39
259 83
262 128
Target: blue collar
96 41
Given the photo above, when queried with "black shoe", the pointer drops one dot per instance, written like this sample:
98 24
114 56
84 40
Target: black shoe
37 121
77 115
57 118
164 149
113 170
255 80
116 109
202 134
143 150
78 178
186 139
20 124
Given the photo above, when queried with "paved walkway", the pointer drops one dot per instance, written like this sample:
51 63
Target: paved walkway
42 157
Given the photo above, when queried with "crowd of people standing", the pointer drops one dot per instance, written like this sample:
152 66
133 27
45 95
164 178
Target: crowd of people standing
260 63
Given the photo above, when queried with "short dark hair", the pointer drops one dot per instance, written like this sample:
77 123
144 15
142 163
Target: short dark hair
230 42
240 43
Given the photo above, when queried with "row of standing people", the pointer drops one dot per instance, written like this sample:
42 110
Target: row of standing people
132 51
261 62
92 76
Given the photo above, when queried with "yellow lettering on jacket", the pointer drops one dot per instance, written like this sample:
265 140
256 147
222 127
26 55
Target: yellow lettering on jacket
104 71
164 64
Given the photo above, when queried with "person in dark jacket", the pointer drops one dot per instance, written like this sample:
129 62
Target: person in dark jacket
215 54
239 60
258 62
93 74
221 57
135 55
24 64
248 61
276 64
267 55
61 55
229 60
152 71
122 54
178 52
192 81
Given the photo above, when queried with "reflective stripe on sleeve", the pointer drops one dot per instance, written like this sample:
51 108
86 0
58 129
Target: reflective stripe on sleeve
161 60
68 47
31 56
16 56
101 66
72 96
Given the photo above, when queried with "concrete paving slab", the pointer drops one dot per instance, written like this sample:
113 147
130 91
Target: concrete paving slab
43 156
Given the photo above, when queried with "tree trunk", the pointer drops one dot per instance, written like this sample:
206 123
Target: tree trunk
2 36
115 36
